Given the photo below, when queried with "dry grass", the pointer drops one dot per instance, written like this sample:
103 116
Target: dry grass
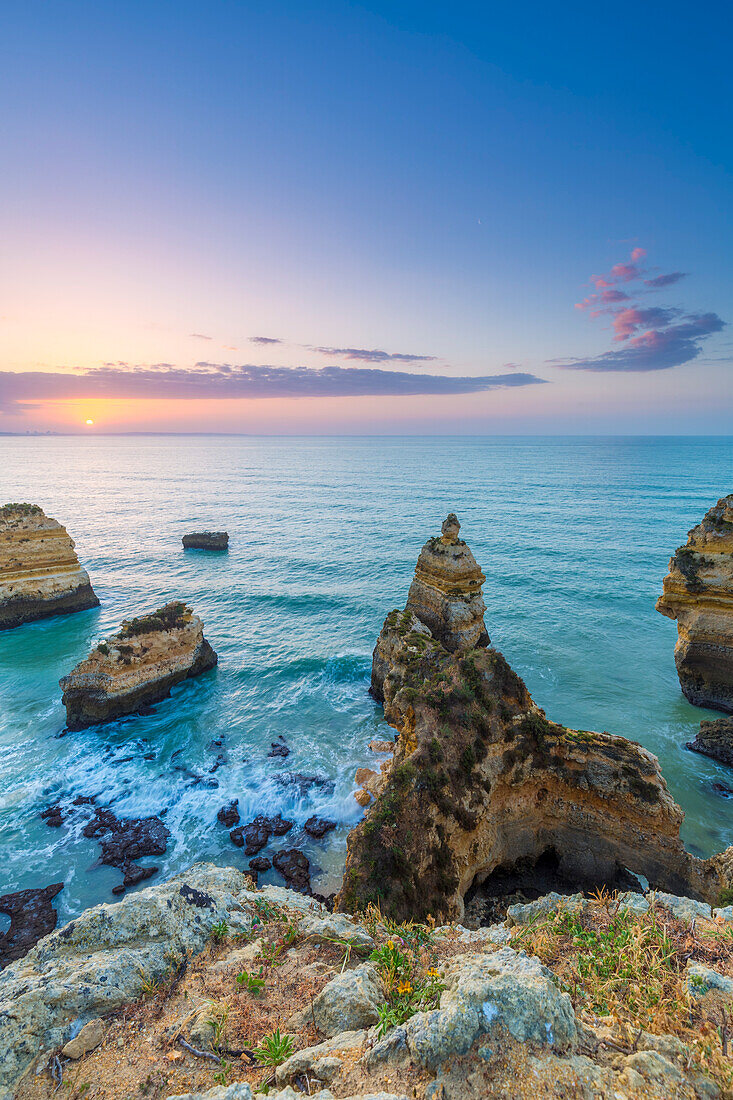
631 968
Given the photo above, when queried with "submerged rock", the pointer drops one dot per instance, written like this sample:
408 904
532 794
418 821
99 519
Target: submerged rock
137 666
294 868
40 574
698 593
254 837
279 748
206 540
318 826
483 784
229 815
126 839
32 916
715 739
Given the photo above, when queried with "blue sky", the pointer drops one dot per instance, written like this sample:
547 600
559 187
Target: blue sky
436 181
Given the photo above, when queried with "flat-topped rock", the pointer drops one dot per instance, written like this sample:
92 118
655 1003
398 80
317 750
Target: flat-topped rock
698 593
445 593
137 666
206 540
40 574
32 916
715 739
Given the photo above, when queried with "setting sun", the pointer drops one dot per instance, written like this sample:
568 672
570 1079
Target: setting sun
88 422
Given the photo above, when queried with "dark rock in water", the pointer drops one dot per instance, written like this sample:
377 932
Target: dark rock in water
254 837
206 540
715 739
229 815
294 868
279 748
260 864
221 759
304 782
724 789
318 826
124 840
31 917
53 816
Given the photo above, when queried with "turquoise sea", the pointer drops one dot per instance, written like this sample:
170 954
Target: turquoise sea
574 536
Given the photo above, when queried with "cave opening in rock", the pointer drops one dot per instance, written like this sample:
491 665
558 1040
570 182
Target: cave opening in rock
490 895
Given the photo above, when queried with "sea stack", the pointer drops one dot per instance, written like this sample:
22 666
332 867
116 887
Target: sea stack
206 540
698 593
445 593
137 666
484 789
40 574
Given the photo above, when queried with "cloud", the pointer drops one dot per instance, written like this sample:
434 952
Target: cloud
627 321
199 336
374 355
225 380
637 254
594 301
655 349
264 340
665 280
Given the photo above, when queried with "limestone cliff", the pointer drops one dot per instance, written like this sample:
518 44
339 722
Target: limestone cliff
137 666
483 783
445 593
698 593
40 574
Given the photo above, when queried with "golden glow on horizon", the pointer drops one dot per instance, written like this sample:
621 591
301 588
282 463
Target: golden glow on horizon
89 421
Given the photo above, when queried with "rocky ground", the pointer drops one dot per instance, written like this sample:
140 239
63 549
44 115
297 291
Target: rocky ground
206 987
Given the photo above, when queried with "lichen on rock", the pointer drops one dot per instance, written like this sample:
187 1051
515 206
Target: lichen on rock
698 593
40 574
137 666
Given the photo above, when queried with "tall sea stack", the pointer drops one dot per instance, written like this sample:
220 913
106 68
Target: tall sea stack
698 593
40 574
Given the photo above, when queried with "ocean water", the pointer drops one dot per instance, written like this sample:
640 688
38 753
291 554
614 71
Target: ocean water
574 536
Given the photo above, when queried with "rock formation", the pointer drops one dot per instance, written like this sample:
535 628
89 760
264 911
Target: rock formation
482 783
206 540
40 574
698 593
445 593
715 739
137 666
32 916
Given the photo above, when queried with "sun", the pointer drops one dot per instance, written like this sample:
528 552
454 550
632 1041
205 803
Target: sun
89 422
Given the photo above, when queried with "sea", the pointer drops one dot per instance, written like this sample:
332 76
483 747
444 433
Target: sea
574 536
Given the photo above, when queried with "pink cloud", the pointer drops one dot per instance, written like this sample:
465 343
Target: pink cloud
638 254
627 321
614 296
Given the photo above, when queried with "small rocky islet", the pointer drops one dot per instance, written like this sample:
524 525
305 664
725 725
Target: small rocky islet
481 801
206 540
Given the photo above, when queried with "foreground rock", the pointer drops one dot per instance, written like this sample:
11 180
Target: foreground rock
497 1024
206 540
715 739
124 840
137 666
32 916
698 593
482 784
40 574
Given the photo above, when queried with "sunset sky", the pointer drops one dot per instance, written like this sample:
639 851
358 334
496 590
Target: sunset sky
365 218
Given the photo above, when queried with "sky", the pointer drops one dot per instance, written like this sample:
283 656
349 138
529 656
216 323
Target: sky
365 218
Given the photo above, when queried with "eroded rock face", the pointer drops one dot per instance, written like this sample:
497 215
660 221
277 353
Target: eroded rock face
137 666
445 593
715 739
40 574
482 782
698 593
